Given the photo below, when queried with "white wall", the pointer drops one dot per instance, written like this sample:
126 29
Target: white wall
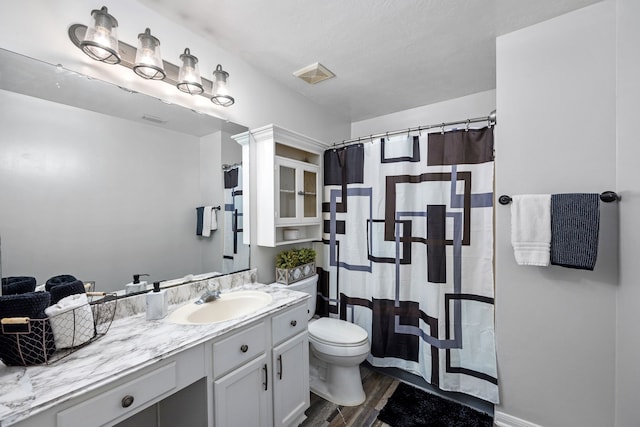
98 197
628 179
475 105
38 28
556 327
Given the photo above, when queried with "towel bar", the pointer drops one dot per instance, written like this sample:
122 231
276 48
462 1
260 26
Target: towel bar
607 197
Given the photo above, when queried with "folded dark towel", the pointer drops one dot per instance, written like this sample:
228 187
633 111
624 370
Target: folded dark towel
575 223
199 220
18 285
65 289
58 280
34 345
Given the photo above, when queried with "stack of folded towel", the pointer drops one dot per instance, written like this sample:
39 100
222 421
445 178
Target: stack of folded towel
70 315
29 344
59 317
561 229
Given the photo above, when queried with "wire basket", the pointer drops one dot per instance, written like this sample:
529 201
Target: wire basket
25 341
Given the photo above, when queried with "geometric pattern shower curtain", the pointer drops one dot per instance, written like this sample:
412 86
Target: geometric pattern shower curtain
407 254
235 254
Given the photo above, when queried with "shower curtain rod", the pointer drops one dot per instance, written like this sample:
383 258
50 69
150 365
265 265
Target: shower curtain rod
227 167
491 120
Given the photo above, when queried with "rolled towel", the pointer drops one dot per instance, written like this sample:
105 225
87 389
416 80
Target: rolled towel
58 280
18 285
32 346
531 229
63 290
575 224
71 321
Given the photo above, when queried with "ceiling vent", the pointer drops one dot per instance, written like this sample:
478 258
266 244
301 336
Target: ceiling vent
153 119
314 73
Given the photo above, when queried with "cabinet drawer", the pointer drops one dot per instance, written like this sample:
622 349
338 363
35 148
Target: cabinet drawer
238 349
121 400
289 323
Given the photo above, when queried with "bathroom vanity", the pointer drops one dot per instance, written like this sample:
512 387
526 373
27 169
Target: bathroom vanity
248 371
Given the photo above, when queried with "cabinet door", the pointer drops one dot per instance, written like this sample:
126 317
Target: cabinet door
297 192
243 397
309 192
291 380
287 205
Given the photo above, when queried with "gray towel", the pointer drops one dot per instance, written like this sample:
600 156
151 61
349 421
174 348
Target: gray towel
575 221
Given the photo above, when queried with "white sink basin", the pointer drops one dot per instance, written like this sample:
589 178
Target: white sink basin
229 306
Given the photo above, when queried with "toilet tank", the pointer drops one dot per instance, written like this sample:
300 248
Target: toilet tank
308 286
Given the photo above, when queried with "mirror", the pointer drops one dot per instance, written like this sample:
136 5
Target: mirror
102 183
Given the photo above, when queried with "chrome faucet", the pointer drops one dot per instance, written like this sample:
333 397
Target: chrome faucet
208 296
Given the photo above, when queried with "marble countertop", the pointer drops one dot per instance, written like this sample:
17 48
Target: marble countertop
131 343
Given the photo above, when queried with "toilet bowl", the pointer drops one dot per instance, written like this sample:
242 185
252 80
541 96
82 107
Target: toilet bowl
337 349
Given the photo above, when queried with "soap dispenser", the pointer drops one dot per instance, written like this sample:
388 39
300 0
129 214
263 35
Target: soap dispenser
136 285
157 303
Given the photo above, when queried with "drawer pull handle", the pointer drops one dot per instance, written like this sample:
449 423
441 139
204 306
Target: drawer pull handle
280 363
244 348
294 322
127 401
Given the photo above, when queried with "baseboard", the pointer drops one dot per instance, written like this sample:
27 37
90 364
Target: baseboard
500 419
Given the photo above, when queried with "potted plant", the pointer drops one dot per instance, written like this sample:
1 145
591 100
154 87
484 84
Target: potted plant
293 265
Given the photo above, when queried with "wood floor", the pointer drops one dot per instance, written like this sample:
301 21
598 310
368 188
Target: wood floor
377 387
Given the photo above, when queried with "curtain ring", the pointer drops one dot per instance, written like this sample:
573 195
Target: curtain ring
371 138
468 123
442 128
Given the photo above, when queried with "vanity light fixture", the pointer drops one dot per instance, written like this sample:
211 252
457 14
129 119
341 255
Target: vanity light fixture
189 79
221 88
100 42
148 63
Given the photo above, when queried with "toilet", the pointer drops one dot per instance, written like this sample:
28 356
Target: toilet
337 349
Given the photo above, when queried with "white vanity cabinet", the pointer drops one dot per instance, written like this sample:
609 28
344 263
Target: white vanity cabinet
261 374
255 375
288 185
241 389
290 366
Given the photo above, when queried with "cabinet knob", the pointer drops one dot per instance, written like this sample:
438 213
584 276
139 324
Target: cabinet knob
244 348
127 401
294 322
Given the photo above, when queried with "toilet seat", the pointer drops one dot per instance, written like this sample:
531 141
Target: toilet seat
337 332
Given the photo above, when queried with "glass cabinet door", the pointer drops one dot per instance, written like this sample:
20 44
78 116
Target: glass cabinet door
287 176
310 180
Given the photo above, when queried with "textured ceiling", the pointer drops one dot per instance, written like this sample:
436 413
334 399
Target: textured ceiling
388 55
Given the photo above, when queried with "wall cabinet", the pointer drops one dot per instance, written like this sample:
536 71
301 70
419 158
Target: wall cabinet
287 186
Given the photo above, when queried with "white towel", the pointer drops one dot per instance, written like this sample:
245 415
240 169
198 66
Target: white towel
531 229
214 219
206 221
71 321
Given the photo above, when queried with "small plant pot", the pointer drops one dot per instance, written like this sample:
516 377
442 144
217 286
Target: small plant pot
288 276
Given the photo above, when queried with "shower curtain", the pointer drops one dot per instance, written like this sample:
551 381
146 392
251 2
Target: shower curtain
407 253
235 254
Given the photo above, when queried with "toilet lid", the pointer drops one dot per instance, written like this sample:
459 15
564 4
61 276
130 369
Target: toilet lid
337 331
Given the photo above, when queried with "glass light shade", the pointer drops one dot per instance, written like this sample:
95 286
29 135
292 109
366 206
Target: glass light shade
189 80
148 62
101 38
220 94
